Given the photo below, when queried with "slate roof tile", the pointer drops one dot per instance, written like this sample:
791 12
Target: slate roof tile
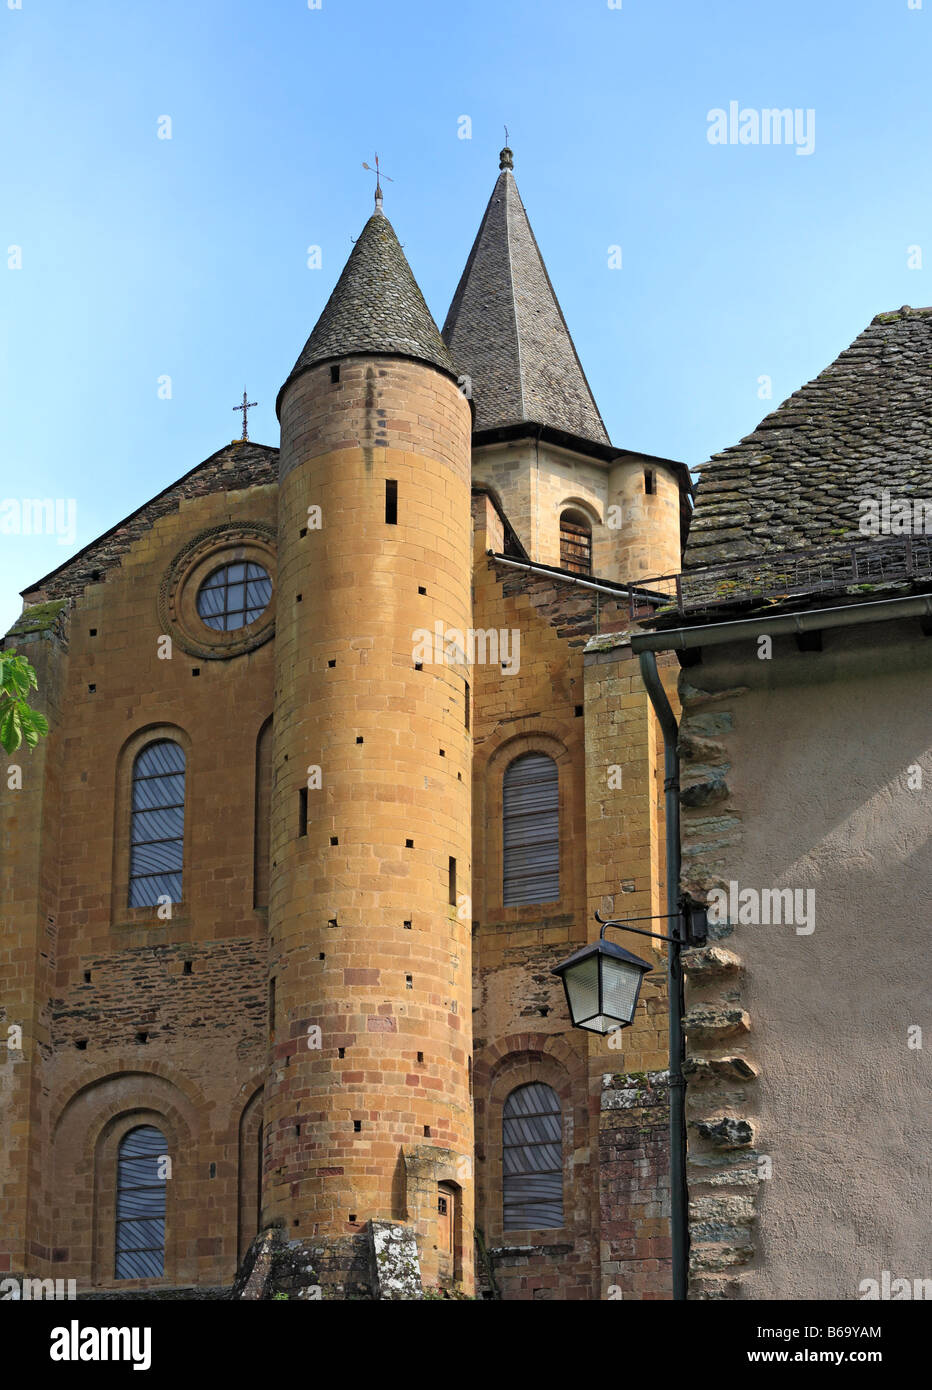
505 329
376 307
862 425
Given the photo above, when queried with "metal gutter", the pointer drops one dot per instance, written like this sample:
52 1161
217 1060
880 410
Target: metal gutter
812 620
623 591
679 1228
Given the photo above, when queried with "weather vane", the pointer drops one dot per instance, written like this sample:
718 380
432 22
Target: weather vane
245 407
378 176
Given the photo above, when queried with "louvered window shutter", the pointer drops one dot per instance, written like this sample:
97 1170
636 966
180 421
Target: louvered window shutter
140 1204
532 1159
575 544
531 831
157 825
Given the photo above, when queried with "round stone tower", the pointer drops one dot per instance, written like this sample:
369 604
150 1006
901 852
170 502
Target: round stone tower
647 493
368 1138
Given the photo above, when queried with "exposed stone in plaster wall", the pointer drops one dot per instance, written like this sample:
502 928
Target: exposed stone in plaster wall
708 1025
721 1165
711 961
719 1069
726 1131
737 1210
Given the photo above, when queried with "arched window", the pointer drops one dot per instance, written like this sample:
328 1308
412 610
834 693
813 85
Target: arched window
140 1205
531 831
157 824
575 543
532 1159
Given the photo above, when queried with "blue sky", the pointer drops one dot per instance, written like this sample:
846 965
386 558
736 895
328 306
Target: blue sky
144 257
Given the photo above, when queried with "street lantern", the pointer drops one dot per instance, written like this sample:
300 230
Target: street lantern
602 983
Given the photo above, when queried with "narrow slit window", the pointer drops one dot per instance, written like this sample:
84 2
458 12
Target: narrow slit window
649 481
451 875
302 811
391 502
262 818
466 709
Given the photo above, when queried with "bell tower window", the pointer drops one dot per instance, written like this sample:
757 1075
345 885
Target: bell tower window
575 543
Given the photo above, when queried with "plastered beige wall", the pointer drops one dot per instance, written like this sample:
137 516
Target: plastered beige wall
816 752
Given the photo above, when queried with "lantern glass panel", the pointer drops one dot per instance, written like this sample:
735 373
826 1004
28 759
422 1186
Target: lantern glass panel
620 985
582 986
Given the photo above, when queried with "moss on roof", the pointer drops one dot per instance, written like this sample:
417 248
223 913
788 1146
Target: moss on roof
39 617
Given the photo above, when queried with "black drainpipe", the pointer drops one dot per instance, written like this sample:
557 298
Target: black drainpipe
677 1006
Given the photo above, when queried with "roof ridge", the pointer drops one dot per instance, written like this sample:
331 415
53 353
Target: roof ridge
509 184
160 505
905 311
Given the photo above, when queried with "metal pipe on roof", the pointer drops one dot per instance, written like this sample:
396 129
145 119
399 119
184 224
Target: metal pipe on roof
563 578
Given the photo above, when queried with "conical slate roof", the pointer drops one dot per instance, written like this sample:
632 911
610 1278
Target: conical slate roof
506 332
376 307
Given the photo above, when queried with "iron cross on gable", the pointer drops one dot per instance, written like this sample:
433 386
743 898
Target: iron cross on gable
245 408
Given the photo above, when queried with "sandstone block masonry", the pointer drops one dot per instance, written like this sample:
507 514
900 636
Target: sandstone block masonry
124 1014
368 941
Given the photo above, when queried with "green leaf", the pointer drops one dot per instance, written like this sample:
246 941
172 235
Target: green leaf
18 676
10 733
17 719
33 724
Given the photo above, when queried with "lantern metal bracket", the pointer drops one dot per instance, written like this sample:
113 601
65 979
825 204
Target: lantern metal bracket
623 926
696 939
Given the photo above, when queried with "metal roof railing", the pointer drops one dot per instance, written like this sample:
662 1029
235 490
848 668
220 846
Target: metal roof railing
861 566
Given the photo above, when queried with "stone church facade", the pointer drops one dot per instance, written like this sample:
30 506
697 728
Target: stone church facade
348 744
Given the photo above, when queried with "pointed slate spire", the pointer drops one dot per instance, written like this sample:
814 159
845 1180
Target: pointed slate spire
506 332
376 307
